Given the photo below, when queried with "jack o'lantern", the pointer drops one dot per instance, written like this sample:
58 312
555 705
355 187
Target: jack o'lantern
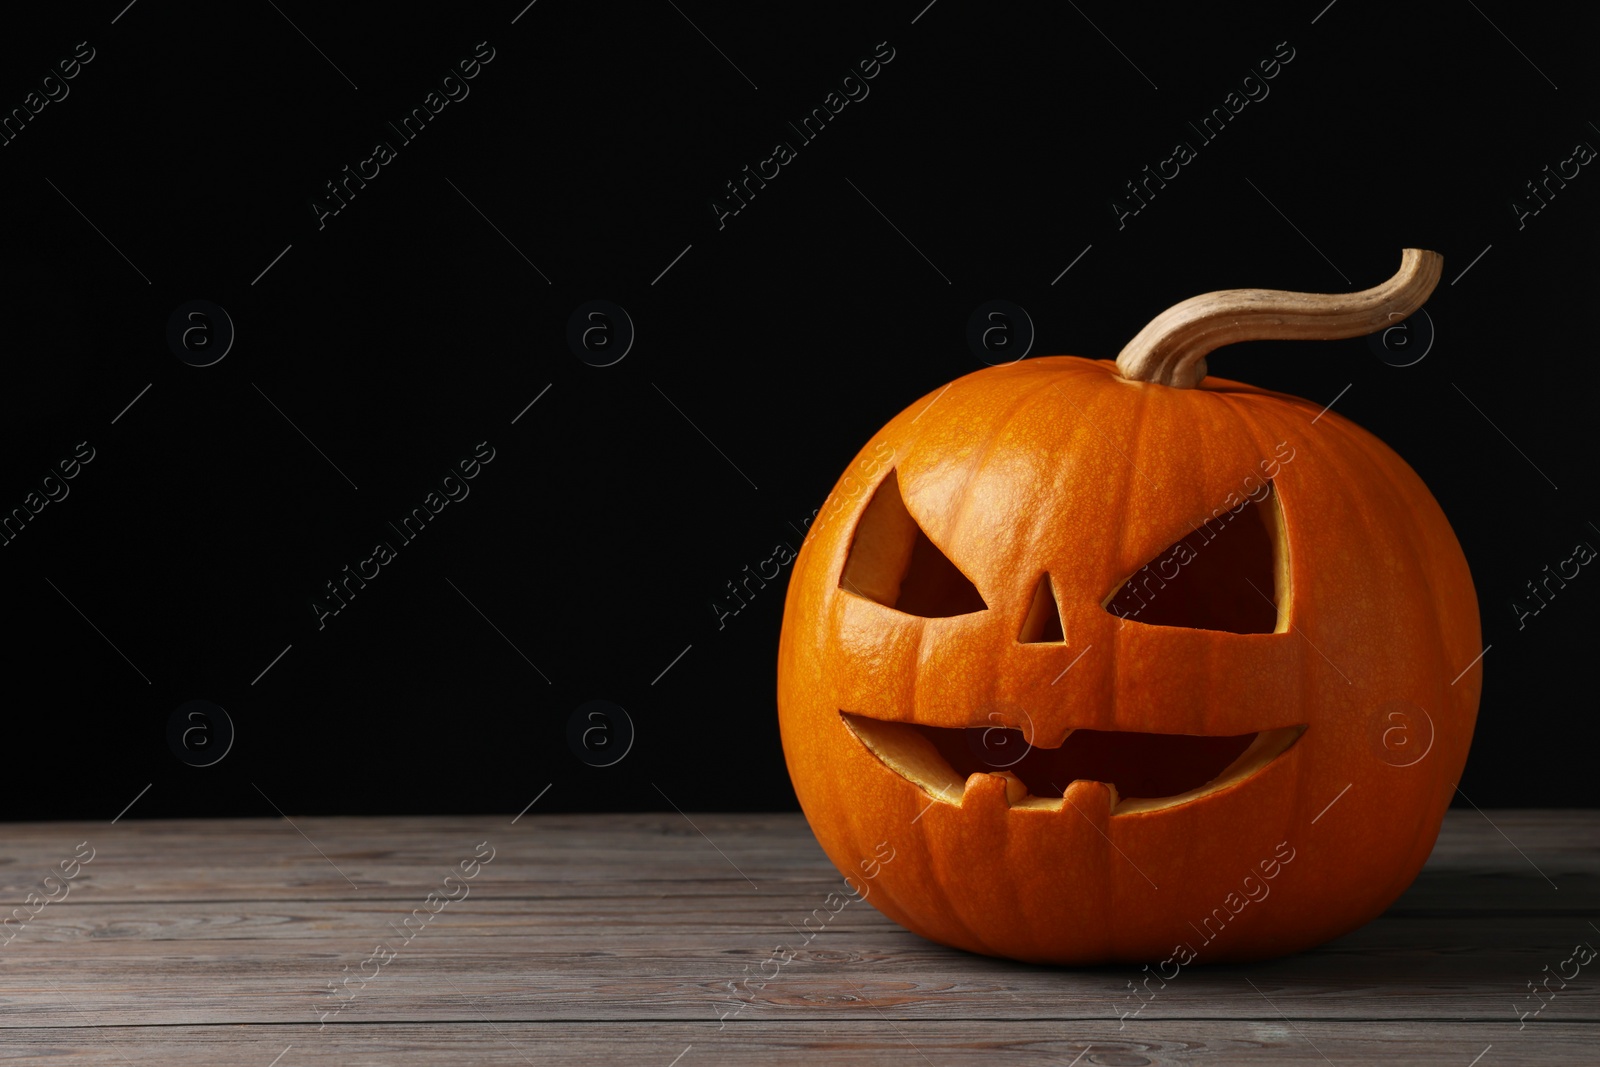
1109 660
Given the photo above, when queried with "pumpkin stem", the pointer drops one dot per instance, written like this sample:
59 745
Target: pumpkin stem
1171 350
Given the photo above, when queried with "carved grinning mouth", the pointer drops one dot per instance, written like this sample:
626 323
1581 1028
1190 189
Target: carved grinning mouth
1144 771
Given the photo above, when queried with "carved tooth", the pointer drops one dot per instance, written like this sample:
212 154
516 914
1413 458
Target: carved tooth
1016 788
1094 801
993 787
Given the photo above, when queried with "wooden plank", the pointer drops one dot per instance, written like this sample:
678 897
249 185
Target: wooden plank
1475 866
673 959
721 919
848 1044
349 858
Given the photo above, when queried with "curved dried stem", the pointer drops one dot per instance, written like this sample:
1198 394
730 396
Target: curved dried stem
1171 350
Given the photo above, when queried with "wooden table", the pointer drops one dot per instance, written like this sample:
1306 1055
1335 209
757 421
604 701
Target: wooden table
610 939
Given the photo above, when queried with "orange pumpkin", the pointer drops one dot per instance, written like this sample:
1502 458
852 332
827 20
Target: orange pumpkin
1087 661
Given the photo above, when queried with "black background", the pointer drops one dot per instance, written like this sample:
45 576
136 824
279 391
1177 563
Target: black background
411 327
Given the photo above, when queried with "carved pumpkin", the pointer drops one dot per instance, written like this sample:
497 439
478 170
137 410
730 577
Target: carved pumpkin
1116 660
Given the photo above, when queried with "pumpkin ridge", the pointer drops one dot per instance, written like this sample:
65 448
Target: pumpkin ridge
1394 471
949 879
1392 467
947 901
979 455
1382 460
1136 419
1086 414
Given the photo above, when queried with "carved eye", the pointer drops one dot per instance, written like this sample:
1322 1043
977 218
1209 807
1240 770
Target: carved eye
893 562
1230 574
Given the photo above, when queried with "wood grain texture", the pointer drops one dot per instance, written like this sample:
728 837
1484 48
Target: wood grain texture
947 1044
614 939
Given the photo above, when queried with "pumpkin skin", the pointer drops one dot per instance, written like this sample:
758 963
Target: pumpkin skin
1061 466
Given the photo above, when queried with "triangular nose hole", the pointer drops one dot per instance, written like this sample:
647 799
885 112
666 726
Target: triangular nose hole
894 563
1043 623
